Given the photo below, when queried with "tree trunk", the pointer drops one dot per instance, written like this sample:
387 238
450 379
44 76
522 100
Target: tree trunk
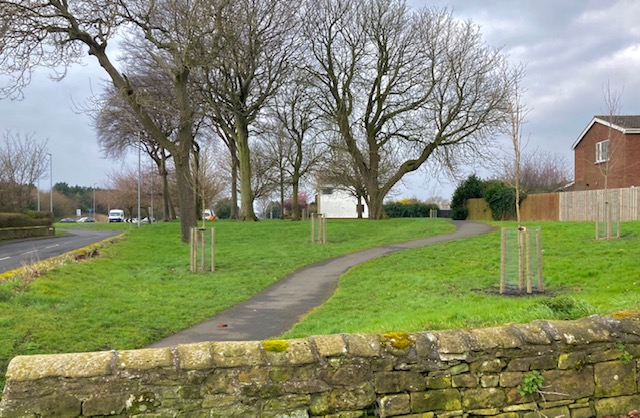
234 188
244 158
295 208
186 196
166 195
359 207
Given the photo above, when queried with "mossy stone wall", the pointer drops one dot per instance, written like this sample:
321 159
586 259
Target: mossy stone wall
589 366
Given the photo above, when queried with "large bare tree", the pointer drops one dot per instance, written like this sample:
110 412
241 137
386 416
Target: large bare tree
415 84
59 33
252 53
294 134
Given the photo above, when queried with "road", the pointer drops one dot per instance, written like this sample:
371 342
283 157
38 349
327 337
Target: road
16 253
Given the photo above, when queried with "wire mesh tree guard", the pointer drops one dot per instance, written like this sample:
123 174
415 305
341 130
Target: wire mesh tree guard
521 260
203 249
318 228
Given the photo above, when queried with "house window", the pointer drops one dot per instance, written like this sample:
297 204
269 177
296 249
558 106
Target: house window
602 151
327 190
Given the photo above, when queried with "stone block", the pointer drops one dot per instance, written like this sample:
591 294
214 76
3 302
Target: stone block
489 380
299 352
438 382
467 380
347 375
571 360
561 412
76 365
619 405
452 344
511 379
394 405
394 382
436 400
287 403
581 332
330 345
568 384
483 398
426 345
485 339
458 369
196 356
145 359
604 355
235 354
614 378
104 405
359 398
586 412
46 407
488 366
532 333
529 406
484 412
363 345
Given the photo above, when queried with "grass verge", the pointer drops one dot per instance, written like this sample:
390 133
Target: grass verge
455 284
139 289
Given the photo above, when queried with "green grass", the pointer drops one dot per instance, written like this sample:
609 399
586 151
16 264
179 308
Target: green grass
139 290
455 284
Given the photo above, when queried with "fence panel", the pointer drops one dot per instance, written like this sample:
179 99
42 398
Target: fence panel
587 204
540 207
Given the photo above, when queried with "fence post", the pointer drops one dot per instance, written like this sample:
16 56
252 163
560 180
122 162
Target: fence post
539 256
503 258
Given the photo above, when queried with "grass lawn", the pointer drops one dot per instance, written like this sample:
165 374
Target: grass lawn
139 290
455 284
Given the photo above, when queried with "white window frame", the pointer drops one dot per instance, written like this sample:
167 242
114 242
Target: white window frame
602 151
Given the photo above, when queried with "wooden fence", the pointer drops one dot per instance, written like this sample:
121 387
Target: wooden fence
584 205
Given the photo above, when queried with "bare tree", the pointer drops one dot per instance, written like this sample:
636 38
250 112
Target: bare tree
23 160
293 133
609 156
119 131
255 49
540 171
57 33
417 84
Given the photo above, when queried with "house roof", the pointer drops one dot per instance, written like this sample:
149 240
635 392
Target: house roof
627 124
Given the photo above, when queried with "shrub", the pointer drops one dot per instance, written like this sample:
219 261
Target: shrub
471 188
502 200
409 208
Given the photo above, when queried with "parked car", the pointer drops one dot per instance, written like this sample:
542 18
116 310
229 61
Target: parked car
87 219
67 220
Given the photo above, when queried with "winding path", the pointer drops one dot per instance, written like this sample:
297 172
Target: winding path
277 308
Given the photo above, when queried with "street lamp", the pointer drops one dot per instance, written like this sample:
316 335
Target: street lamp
139 146
94 200
50 183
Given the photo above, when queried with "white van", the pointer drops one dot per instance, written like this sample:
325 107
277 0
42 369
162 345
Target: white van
116 215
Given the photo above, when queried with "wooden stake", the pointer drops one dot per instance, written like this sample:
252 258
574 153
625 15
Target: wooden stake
527 237
539 253
503 259
213 249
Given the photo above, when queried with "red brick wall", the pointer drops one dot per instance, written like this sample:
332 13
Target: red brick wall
623 167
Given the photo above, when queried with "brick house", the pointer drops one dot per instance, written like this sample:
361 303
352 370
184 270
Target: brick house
608 150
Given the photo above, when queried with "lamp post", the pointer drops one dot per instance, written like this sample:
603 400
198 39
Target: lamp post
139 146
94 200
50 183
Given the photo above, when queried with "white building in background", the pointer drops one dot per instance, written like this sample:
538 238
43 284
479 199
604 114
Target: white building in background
336 203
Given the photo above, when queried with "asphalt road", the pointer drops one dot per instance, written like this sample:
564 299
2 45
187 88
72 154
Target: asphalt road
16 253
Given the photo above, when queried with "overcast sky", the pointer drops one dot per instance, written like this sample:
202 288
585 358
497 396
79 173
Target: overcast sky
571 49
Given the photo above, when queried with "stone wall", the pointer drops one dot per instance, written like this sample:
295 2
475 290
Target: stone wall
589 369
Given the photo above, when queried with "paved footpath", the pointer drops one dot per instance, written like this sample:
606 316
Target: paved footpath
280 306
